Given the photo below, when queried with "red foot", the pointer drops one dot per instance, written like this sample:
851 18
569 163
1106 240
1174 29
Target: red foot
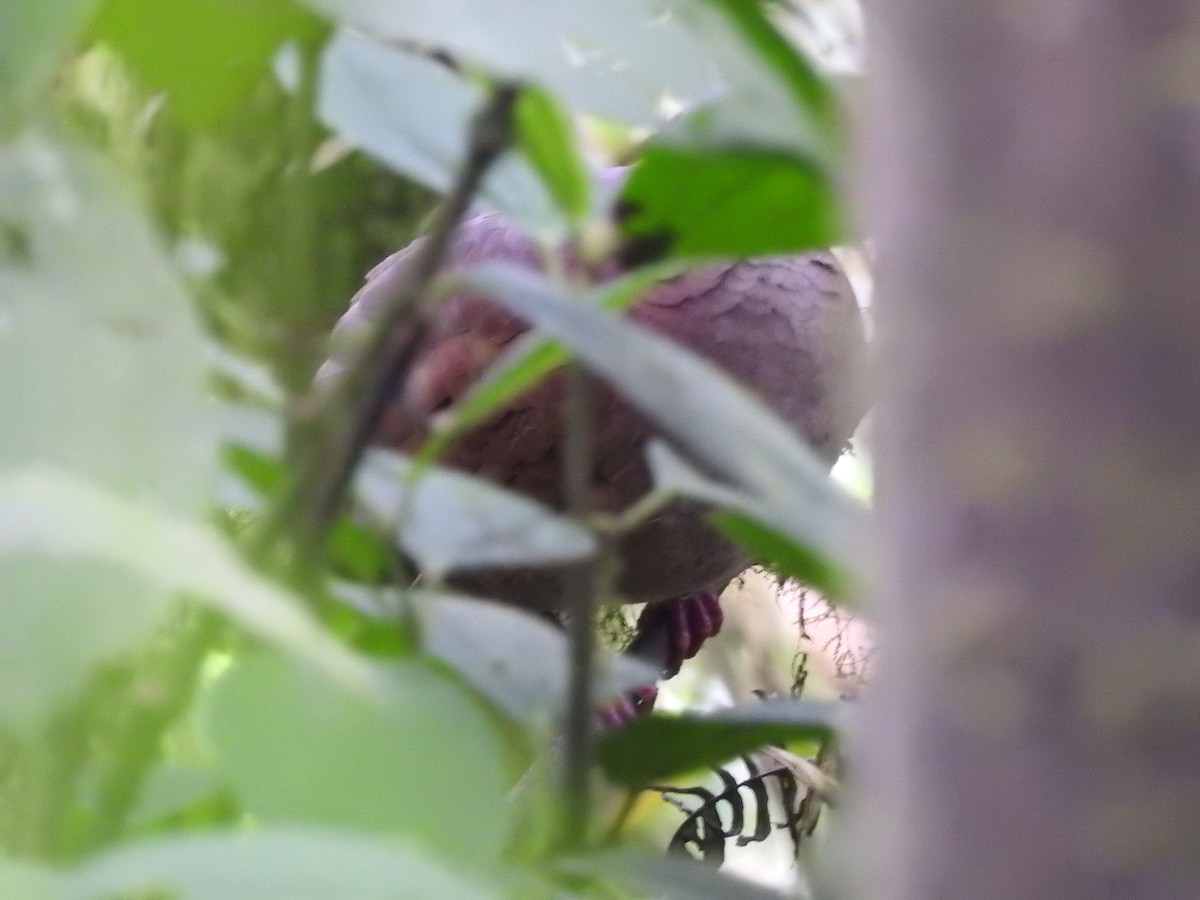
691 620
625 709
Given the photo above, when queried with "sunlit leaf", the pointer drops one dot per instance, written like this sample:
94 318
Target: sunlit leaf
518 661
299 863
424 762
414 114
686 201
450 521
721 424
205 54
658 747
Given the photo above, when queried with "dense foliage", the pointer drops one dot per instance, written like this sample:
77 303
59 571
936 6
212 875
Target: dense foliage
211 679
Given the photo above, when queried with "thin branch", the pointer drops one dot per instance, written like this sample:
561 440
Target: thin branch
581 586
345 416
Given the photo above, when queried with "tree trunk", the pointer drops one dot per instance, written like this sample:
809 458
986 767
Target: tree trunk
1034 189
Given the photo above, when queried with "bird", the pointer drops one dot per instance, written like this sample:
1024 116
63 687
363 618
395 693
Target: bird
788 328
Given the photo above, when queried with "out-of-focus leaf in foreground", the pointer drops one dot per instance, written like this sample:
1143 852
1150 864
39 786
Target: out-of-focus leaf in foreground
419 761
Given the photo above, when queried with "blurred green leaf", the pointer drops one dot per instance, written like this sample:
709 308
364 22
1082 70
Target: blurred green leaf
613 57
413 114
449 521
144 556
299 863
61 618
205 54
776 551
667 877
658 747
624 60
93 316
34 36
720 423
172 788
424 762
29 881
546 136
516 660
686 201
810 89
746 522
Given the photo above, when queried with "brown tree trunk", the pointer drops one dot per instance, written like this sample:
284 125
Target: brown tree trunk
1034 188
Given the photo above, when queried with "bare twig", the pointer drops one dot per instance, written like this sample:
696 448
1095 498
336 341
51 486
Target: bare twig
343 418
581 600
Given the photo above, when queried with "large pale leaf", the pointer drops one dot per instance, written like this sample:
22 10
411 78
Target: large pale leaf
101 360
86 572
102 402
517 660
299 863
621 59
450 521
414 114
740 517
424 762
720 423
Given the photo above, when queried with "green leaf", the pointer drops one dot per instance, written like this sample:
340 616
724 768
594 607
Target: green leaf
618 59
747 523
667 877
720 423
205 54
29 881
424 762
771 548
530 360
449 521
810 90
413 114
93 316
299 863
546 136
34 36
613 57
127 559
658 747
687 202
516 660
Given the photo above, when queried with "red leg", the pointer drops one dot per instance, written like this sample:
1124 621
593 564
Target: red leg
691 620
